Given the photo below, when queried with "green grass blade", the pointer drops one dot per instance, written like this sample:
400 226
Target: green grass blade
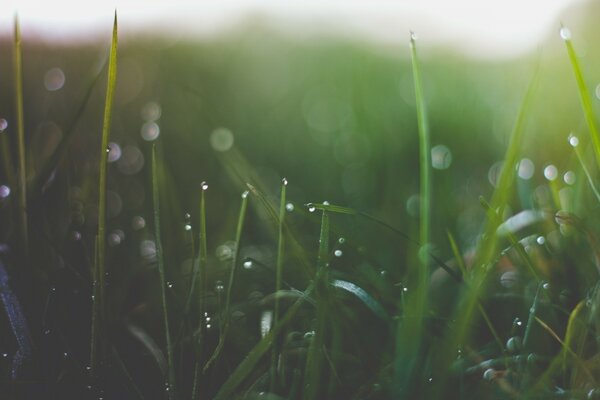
170 387
248 365
424 147
232 275
99 319
278 278
202 285
22 176
314 381
584 94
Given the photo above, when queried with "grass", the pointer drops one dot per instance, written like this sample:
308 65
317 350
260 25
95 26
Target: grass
329 300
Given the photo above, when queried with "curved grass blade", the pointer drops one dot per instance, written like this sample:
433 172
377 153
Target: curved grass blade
584 94
99 307
363 296
22 176
232 276
170 387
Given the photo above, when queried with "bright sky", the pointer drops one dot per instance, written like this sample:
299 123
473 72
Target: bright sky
492 28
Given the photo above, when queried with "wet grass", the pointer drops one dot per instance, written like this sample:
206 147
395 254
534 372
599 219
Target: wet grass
322 310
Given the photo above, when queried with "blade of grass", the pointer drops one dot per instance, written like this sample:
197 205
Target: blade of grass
232 275
170 386
584 94
22 177
314 359
99 318
278 280
202 285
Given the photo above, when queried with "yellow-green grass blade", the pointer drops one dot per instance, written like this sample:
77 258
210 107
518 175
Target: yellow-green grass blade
584 94
99 318
22 175
170 387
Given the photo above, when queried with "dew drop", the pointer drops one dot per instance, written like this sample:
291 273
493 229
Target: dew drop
54 79
150 131
245 194
565 33
540 240
204 185
546 286
284 181
325 203
413 36
517 322
342 240
311 207
489 374
4 191
405 289
569 177
187 227
114 152
289 207
574 140
248 264
170 285
526 169
138 223
4 355
338 253
219 286
441 157
208 326
509 279
550 172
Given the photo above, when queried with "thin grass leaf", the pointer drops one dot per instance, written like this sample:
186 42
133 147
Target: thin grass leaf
202 285
99 318
314 359
457 254
170 387
22 176
278 279
248 365
232 275
584 94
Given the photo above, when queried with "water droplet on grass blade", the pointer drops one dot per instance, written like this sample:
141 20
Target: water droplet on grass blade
248 264
4 191
569 177
526 169
114 152
311 207
289 207
565 33
266 320
138 222
338 253
170 285
574 140
245 194
187 227
204 185
54 79
441 157
550 172
489 374
541 240
284 182
219 287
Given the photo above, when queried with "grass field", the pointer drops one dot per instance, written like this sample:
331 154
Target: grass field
258 216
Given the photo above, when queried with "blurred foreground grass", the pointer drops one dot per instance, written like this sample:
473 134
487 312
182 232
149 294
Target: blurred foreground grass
288 301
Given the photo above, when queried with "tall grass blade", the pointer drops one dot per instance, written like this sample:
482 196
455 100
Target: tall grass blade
278 279
584 94
170 387
99 307
22 177
574 142
314 359
232 275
